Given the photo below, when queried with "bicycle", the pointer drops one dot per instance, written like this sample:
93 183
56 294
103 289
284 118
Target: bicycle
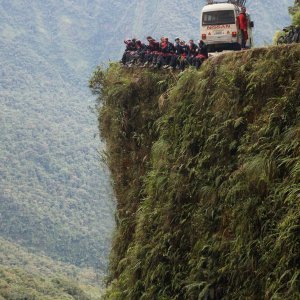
292 35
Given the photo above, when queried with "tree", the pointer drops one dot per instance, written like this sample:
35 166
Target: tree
295 13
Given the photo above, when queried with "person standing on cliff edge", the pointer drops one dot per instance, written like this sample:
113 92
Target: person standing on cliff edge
243 24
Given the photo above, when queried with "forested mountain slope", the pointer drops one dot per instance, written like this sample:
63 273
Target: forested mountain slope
54 197
23 274
207 175
17 284
16 256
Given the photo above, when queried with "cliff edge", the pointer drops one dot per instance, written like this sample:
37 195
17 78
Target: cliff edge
206 170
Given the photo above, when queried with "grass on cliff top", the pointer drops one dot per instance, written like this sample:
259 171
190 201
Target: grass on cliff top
208 195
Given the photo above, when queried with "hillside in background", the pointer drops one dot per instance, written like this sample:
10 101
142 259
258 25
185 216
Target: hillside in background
18 284
23 273
181 18
140 18
206 173
55 197
19 257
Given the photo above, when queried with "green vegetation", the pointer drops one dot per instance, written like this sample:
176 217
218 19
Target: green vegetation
206 173
18 265
127 123
295 12
54 199
13 255
290 36
15 284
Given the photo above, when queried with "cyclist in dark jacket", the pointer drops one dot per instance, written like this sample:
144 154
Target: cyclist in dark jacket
183 57
177 52
153 45
151 51
141 49
177 46
130 46
167 50
202 54
202 49
192 50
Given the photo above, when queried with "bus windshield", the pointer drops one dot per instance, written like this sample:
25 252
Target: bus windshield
220 17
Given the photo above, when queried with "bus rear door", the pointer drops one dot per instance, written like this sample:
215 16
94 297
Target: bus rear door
219 27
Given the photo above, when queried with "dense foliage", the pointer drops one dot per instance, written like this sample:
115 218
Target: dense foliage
16 284
290 34
127 120
295 12
54 197
16 256
206 171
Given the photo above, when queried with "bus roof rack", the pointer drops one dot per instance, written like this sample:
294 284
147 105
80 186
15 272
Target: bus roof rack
236 2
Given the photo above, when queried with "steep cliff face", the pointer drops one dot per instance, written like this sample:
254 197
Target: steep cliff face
207 175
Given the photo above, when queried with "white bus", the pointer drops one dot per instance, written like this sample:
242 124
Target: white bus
219 27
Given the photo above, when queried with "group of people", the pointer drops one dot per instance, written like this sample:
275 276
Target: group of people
164 54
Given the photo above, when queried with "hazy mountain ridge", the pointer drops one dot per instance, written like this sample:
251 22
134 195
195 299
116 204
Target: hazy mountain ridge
166 18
